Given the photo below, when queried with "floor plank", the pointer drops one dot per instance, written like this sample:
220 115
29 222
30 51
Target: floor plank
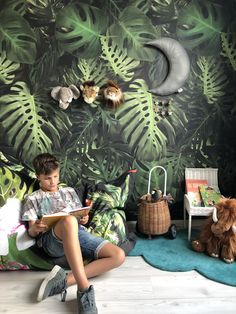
134 288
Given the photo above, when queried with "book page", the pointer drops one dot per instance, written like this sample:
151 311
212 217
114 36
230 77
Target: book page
50 220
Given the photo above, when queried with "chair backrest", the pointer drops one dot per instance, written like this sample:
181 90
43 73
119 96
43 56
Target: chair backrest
209 174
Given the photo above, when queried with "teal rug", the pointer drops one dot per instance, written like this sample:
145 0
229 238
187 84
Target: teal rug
177 255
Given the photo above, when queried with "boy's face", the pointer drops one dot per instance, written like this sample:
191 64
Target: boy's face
49 182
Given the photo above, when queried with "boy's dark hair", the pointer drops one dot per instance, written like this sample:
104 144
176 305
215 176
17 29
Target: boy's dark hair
45 163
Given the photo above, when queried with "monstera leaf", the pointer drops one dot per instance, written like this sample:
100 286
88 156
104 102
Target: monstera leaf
11 185
7 69
18 6
200 25
119 62
213 79
25 121
80 27
132 30
229 48
42 12
140 124
18 37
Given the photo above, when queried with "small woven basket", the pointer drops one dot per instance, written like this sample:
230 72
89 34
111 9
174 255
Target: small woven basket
153 218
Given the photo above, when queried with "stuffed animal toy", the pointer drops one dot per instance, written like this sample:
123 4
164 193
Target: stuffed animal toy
112 95
65 95
89 91
10 224
218 236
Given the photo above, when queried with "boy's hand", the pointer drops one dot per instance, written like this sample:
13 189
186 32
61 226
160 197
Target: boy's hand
36 227
83 220
88 202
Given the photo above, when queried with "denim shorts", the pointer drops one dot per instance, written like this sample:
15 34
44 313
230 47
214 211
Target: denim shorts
89 243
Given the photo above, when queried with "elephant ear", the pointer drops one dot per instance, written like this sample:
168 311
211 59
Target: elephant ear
75 91
55 92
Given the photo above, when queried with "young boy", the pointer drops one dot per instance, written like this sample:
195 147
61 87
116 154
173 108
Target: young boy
67 237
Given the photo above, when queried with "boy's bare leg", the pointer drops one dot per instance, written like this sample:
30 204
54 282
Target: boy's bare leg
110 256
67 230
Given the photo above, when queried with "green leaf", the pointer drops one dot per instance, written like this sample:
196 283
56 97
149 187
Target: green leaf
229 48
140 124
119 62
200 25
213 78
17 37
16 5
42 12
80 27
83 70
10 185
132 30
7 69
24 118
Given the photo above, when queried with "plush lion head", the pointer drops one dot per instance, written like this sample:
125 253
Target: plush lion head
89 91
224 217
112 94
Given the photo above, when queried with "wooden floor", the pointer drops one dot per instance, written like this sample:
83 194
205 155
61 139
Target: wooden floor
134 288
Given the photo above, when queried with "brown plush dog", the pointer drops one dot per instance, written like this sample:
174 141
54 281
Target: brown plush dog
218 236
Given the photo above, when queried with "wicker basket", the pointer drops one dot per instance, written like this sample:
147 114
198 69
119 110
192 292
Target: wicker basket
153 218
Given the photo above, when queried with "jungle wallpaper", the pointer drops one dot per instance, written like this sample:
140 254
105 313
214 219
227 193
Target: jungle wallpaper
49 43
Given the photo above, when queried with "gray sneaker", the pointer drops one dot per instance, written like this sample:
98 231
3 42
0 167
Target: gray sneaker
86 301
53 284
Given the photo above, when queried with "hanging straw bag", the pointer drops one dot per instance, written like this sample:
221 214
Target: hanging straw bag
153 218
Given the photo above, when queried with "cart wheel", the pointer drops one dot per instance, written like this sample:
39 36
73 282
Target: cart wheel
172 231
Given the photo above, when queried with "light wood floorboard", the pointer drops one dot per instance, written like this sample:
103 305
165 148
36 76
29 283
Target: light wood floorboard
134 288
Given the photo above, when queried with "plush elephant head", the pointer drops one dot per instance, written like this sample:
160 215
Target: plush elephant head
224 217
65 95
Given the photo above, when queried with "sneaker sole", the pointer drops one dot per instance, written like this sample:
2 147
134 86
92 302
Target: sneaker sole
52 274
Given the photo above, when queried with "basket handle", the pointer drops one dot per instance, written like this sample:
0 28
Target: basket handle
165 181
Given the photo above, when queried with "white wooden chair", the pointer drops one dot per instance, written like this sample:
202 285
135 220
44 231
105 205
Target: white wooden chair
209 174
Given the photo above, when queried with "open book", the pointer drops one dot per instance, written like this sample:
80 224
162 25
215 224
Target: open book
51 219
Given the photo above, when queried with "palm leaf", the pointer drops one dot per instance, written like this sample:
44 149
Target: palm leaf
25 121
102 165
229 48
140 124
7 69
80 27
213 78
18 36
119 62
132 30
83 70
43 70
199 26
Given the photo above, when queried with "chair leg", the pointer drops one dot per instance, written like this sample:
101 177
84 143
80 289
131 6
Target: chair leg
184 217
189 226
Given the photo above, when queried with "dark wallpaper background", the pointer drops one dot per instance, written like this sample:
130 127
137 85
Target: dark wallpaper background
48 43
